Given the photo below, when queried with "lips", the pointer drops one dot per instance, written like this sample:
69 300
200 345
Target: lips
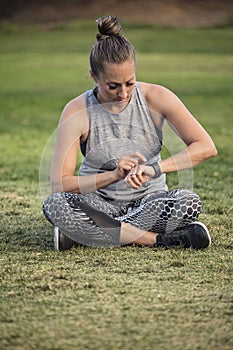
122 100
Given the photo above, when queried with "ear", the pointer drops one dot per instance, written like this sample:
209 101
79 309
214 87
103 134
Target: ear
94 77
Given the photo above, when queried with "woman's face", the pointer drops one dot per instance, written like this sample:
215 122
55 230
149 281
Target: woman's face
116 83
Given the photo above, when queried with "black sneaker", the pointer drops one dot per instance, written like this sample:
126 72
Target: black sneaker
195 235
62 242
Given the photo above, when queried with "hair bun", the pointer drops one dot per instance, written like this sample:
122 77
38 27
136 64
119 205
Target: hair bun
107 26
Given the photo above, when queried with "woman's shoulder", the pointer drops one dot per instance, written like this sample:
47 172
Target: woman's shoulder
150 89
157 96
74 106
78 102
74 116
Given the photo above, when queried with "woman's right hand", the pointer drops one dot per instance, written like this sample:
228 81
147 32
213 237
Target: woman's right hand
127 163
139 175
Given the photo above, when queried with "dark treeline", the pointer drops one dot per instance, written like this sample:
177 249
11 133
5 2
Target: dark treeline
9 8
188 12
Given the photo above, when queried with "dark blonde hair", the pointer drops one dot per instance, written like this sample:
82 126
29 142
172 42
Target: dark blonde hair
111 46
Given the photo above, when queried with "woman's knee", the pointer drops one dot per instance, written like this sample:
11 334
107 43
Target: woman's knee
52 206
190 204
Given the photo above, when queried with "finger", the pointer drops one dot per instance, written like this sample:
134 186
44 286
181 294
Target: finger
133 171
128 163
137 156
145 178
134 178
130 183
133 183
140 173
137 173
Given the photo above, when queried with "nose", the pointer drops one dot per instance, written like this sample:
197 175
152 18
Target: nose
122 92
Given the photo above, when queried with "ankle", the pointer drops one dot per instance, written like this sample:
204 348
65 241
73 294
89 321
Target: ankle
132 234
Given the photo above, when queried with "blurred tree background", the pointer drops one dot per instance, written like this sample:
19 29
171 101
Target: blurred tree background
170 13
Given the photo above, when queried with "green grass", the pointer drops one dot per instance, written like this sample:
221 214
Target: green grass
122 298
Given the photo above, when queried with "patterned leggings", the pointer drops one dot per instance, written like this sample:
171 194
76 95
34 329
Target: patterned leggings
91 220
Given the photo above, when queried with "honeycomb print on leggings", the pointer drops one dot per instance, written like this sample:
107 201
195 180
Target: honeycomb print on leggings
164 214
159 213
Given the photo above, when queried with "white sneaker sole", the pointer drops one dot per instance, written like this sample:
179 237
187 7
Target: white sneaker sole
56 238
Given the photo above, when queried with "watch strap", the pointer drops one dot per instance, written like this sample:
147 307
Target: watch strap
157 170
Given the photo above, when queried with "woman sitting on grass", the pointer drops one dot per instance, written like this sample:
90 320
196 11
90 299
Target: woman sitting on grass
120 194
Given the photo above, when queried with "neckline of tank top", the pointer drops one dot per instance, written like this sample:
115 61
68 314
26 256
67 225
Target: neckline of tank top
94 92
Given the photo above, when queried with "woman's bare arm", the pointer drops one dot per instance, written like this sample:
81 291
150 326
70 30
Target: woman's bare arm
200 146
74 125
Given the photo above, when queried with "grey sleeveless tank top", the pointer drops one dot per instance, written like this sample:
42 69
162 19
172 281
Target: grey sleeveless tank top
112 136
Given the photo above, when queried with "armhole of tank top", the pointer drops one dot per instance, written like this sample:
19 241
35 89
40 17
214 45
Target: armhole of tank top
88 97
143 98
83 145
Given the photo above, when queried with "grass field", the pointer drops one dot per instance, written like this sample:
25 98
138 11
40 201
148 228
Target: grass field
122 298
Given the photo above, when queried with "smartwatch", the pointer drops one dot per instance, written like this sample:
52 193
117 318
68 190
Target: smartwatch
157 170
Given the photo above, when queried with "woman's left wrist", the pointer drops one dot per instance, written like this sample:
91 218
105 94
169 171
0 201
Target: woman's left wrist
157 170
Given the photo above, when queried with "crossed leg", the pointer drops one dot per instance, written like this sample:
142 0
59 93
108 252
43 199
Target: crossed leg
91 220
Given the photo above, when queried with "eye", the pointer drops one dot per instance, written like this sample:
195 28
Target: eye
112 86
130 84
